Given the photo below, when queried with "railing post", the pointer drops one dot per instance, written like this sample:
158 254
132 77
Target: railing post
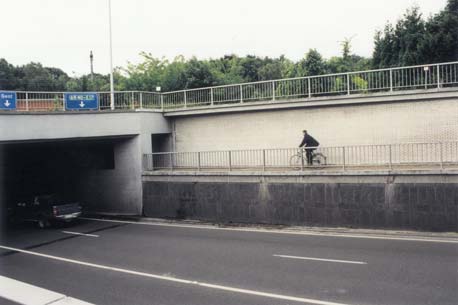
141 100
343 158
426 69
211 96
391 80
185 102
241 94
171 161
162 102
229 160
441 154
198 160
263 160
132 100
152 162
309 87
438 77
26 101
273 90
390 160
302 158
348 84
56 96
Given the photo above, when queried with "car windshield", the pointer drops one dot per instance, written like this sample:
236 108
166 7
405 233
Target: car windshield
48 199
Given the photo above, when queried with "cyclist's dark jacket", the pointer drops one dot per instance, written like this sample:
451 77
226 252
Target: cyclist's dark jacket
309 141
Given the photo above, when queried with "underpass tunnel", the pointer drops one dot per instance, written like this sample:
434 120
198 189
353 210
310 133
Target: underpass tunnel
76 170
43 168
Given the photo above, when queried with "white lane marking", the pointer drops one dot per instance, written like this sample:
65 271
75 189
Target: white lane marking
82 234
344 235
320 259
177 280
26 294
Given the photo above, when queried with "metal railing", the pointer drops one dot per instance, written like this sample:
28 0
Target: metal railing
433 76
408 156
54 101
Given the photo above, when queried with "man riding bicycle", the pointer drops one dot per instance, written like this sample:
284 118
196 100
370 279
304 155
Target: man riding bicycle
309 141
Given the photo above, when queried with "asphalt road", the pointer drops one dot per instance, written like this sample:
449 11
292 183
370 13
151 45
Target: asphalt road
125 263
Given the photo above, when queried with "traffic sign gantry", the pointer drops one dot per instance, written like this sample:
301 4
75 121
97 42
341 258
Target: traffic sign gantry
8 100
81 101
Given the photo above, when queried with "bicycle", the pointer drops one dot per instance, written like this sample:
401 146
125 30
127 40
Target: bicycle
299 160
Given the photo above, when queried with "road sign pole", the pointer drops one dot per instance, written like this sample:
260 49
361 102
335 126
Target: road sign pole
112 105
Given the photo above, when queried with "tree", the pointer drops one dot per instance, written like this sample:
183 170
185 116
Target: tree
416 41
270 69
401 44
198 74
250 66
312 64
173 76
34 77
145 76
441 39
8 76
227 69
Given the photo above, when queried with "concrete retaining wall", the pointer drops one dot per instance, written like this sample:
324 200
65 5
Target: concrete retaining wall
425 202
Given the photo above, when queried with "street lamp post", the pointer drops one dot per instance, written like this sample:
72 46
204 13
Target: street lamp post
112 106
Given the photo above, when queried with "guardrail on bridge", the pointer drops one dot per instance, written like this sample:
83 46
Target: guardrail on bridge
382 80
422 77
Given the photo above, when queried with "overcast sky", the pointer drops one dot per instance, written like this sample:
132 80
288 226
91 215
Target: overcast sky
60 33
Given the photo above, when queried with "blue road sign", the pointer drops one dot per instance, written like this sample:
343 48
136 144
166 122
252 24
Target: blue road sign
7 100
81 101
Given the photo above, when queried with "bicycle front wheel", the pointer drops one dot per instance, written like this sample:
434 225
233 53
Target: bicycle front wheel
319 159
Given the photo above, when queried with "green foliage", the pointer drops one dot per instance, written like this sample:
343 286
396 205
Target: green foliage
441 39
96 82
8 76
312 64
198 74
358 83
35 77
413 40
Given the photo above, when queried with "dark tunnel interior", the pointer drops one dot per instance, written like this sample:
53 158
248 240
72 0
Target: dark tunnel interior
39 168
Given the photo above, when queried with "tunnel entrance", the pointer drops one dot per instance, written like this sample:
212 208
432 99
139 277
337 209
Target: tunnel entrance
53 167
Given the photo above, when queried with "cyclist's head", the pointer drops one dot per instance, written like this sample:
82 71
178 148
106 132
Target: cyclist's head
304 131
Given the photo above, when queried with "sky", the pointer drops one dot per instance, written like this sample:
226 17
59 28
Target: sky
61 33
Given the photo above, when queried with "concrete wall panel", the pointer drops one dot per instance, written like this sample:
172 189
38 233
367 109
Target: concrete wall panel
49 126
424 206
332 126
118 190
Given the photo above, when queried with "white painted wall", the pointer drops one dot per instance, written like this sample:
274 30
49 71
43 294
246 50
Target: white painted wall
425 121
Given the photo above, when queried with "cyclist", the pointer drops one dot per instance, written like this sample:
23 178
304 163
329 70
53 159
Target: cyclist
309 141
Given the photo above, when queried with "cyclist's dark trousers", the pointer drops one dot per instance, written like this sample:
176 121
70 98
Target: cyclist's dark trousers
309 154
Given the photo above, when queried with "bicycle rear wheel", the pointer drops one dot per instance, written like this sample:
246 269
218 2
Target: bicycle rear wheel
295 161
